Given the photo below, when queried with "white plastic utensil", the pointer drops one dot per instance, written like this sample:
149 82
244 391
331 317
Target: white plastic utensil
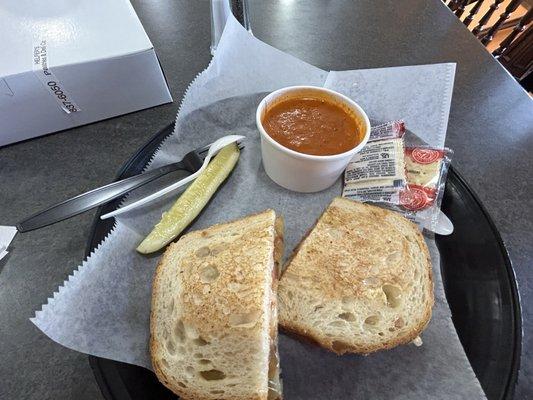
215 148
443 226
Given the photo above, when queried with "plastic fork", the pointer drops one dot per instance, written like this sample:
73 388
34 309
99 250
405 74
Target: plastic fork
191 162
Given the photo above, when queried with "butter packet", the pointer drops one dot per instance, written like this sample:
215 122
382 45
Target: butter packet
421 198
388 130
407 179
375 191
377 172
381 161
426 169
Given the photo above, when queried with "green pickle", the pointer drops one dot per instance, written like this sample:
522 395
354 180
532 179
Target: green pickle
192 201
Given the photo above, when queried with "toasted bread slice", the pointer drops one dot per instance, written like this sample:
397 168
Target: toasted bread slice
361 281
213 323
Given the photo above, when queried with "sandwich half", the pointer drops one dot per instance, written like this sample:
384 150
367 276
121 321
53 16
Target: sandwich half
214 321
361 281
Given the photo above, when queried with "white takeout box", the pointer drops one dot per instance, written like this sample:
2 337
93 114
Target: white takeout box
68 63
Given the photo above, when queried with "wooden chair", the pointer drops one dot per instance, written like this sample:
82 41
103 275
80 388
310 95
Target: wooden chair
515 51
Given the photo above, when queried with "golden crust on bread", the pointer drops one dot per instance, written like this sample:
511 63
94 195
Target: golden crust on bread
211 310
360 281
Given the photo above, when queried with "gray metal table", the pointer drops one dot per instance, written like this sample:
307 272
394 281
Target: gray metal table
491 130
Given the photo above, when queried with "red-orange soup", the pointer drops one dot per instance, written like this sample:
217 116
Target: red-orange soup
312 125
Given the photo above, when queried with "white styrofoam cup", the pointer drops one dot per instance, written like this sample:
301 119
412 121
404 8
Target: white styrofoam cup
302 172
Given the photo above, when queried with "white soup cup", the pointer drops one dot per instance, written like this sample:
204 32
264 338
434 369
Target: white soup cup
302 172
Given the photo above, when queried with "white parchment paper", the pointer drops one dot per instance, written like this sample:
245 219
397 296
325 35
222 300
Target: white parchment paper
7 234
103 308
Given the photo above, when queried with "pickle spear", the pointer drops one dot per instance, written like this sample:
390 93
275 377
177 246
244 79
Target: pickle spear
191 201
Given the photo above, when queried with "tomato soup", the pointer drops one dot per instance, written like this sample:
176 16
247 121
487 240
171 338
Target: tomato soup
312 125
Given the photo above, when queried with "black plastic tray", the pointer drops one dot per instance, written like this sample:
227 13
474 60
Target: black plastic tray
478 279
